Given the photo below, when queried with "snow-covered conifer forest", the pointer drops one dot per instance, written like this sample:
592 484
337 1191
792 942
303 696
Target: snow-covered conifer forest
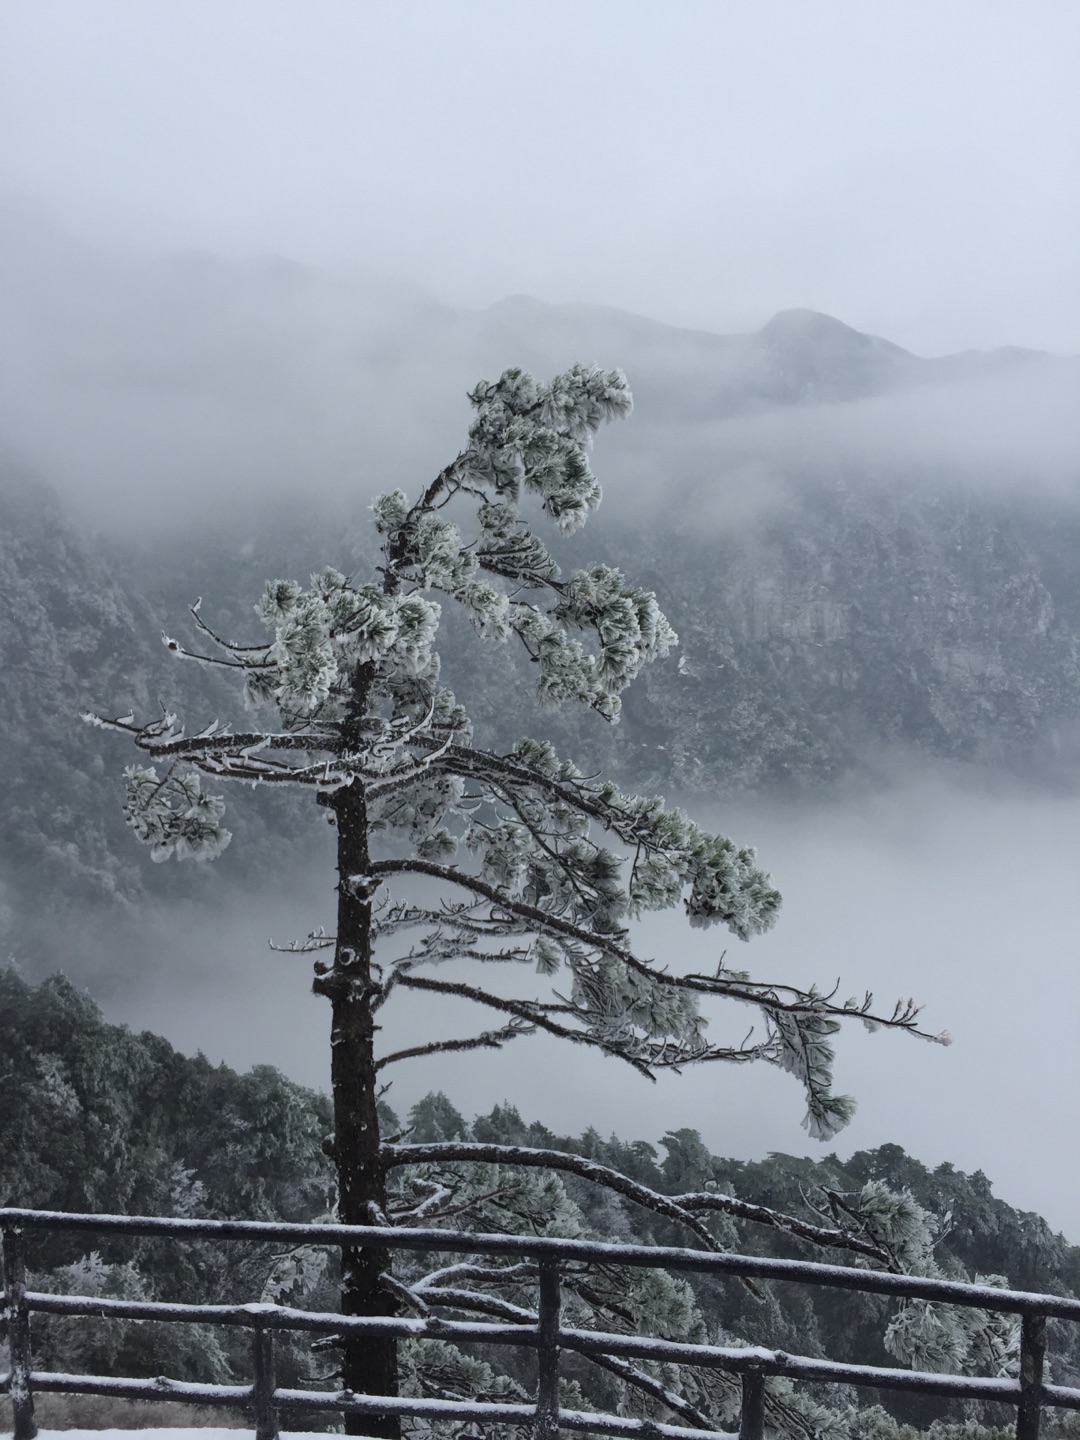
191 1138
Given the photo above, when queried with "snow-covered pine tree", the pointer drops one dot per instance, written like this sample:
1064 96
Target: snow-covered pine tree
538 865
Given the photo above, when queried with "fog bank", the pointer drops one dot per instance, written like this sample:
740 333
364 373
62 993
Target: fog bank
960 893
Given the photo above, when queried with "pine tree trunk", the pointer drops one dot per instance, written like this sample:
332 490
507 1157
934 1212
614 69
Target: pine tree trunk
370 1364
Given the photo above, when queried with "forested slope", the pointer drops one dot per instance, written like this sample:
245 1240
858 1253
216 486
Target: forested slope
96 1118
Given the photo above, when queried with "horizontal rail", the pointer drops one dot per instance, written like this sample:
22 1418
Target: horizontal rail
761 1267
278 1317
736 1359
233 1395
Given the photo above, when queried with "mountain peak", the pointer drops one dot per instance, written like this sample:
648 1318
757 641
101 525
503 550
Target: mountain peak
812 329
805 323
809 356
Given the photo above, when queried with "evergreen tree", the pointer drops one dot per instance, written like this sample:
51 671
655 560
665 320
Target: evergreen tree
538 865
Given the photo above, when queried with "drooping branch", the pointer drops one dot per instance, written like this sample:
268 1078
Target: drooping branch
579 794
519 909
489 1040
402 1293
472 1152
478 1303
681 1209
630 1374
470 1270
831 1237
475 1300
230 646
445 948
772 998
524 1010
183 653
434 1194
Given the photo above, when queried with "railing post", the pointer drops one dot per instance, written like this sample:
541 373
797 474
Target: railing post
17 1318
752 1419
266 1420
546 1424
1032 1356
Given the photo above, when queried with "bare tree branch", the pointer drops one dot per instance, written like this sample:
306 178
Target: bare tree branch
489 1040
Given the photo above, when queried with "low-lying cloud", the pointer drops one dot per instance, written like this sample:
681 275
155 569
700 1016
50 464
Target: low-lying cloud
959 892
189 390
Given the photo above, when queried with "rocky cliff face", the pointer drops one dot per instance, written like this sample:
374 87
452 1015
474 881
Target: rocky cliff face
68 631
864 618
80 630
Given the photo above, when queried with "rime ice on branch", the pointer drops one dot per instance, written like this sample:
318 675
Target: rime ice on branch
540 865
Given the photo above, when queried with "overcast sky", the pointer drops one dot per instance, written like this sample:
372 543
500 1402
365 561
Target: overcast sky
913 168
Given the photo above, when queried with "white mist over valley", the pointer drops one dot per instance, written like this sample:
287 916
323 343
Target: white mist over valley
954 889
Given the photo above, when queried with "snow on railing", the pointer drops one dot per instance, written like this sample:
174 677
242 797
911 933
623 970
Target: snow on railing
264 1399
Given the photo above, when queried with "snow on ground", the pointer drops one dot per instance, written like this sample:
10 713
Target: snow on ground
207 1433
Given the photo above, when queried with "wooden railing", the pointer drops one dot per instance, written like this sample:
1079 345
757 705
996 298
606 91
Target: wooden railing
1030 1393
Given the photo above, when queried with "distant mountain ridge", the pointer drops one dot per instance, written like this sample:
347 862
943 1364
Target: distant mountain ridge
135 384
800 356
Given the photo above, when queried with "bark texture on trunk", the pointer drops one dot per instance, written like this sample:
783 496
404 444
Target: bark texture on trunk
369 1364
